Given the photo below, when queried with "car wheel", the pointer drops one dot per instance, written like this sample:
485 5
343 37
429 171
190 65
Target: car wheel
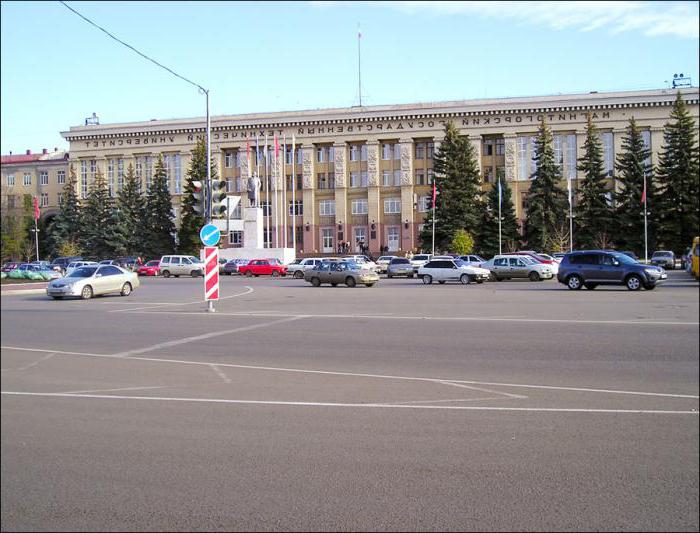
315 282
634 282
166 273
275 273
427 279
479 281
86 293
591 286
464 279
574 282
334 284
534 276
298 274
248 274
126 289
350 281
369 284
194 273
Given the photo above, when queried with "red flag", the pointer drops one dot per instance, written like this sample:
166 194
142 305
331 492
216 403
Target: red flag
37 213
434 194
644 192
277 147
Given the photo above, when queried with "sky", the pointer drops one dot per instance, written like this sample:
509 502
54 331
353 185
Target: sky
56 69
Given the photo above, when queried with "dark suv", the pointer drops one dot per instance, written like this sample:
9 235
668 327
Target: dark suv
591 268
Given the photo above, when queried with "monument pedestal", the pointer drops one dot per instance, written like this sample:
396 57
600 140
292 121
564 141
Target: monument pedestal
253 236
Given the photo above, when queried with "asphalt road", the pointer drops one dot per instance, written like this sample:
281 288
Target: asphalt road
502 406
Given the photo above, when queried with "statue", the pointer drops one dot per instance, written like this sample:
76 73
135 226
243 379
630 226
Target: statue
254 190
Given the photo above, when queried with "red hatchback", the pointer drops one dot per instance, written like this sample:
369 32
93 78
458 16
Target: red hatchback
536 257
152 268
263 267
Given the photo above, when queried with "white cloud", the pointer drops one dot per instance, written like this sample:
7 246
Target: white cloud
679 19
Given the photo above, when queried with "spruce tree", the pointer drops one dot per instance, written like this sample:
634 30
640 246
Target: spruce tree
677 209
594 212
131 205
458 182
67 226
487 243
546 210
633 164
97 235
160 229
191 222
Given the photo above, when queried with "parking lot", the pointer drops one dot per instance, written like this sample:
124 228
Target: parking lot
513 405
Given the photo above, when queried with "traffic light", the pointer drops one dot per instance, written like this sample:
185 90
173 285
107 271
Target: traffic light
200 199
218 198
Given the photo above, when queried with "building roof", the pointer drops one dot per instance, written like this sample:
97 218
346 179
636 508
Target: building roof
28 157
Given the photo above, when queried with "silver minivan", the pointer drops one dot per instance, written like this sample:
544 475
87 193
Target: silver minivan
181 265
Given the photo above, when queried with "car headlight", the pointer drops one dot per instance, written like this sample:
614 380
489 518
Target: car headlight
652 271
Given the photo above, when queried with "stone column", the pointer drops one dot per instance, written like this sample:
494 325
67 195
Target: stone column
245 174
476 143
341 192
407 221
657 142
511 156
373 196
307 169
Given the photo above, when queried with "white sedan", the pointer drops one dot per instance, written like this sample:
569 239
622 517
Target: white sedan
443 270
93 280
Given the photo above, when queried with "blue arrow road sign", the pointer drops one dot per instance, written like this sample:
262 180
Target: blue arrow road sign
210 235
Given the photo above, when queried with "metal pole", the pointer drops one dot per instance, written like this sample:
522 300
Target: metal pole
571 229
36 236
646 243
500 248
284 199
433 228
210 303
294 205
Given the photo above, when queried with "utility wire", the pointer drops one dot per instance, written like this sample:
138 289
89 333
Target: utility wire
132 48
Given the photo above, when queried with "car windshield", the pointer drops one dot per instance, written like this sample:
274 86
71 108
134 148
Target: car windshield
528 260
625 259
194 259
662 254
82 272
420 257
152 263
400 261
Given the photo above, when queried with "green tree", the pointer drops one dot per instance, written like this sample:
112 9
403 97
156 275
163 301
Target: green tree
160 229
487 242
458 182
677 211
67 226
13 234
633 164
462 242
100 237
546 208
594 212
191 222
132 210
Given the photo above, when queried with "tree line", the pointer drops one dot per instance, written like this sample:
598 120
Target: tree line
602 217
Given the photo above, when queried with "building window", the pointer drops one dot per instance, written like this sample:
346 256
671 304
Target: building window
228 160
177 173
397 177
321 180
359 207
397 151
363 152
166 167
110 177
500 146
296 208
237 212
646 139
386 178
266 208
59 198
424 203
431 176
43 177
93 168
83 180
149 171
27 180
392 205
354 152
420 177
386 152
10 180
235 239
138 168
319 155
229 185
44 199
533 161
326 208
571 157
522 158
61 177
488 147
354 179
420 150
327 239
331 180
363 178
488 174
558 154
607 141
430 148
11 202
120 174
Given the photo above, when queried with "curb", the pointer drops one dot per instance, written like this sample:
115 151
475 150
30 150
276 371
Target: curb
23 291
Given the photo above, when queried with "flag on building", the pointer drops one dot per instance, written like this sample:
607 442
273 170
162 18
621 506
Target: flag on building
500 194
644 191
568 187
37 213
434 194
277 146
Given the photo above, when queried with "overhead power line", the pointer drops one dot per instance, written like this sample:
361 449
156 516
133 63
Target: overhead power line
131 47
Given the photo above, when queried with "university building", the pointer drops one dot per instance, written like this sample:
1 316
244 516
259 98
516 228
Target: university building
363 174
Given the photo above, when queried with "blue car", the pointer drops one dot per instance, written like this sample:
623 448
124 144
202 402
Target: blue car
590 268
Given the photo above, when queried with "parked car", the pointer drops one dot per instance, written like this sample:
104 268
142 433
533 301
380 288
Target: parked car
48 273
383 263
473 260
181 265
128 262
540 258
590 268
664 258
151 268
336 272
443 270
558 256
509 266
232 265
9 267
61 263
263 267
298 267
77 264
42 264
93 280
362 260
400 266
419 260
110 262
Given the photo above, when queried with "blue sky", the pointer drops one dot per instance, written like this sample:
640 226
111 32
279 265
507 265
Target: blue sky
276 56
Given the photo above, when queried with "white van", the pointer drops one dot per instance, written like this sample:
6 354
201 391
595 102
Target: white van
77 264
181 265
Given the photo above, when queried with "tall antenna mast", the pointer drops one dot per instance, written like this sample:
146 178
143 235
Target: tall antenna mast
359 70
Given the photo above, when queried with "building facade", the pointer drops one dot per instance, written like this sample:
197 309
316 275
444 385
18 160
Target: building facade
363 174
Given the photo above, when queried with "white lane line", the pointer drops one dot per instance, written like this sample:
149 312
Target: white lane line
220 373
30 365
447 401
355 374
358 405
109 390
481 389
157 305
186 340
434 318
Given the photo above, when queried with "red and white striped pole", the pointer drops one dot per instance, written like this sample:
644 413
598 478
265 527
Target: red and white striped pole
211 275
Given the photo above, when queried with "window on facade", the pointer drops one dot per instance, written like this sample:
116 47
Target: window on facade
228 160
571 157
110 177
522 158
296 208
397 177
533 161
363 178
59 198
646 139
321 180
10 180
235 238
83 180
430 148
420 177
359 207
27 180
43 177
363 152
424 203
558 153
500 146
488 174
431 176
237 212
177 173
386 151
44 199
319 155
120 174
420 150
386 178
397 151
392 205
61 177
229 185
331 180
488 147
354 179
93 168
11 202
326 207
354 152
607 141
266 208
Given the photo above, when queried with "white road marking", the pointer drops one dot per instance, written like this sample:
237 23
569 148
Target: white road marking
359 405
220 373
201 301
457 384
355 374
30 365
433 318
109 390
186 340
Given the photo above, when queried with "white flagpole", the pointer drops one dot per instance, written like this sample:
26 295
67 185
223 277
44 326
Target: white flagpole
500 248
571 216
284 194
294 205
646 243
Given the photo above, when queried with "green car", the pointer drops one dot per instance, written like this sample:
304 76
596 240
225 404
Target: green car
335 272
